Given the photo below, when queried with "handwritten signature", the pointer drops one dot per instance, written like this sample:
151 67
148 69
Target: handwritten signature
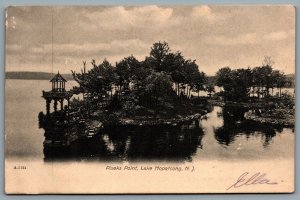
246 179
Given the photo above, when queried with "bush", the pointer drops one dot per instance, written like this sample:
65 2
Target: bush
112 119
287 100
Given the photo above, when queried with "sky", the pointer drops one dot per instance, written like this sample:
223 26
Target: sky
52 39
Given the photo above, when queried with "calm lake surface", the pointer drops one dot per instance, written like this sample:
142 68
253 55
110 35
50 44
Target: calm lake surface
221 135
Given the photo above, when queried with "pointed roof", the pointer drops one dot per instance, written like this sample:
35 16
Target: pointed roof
58 77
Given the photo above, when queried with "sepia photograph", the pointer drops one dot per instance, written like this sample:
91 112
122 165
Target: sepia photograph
149 99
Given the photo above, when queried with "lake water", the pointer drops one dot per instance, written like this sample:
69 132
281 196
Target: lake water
221 135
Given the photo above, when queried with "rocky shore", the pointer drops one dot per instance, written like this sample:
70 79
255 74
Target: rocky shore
281 117
178 120
277 112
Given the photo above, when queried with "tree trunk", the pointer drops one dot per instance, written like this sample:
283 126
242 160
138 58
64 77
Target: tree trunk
280 92
187 90
272 91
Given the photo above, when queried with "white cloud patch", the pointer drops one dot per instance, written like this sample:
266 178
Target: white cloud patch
116 18
278 35
203 12
13 47
114 47
242 39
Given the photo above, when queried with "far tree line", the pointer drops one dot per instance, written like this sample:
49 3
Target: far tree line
256 82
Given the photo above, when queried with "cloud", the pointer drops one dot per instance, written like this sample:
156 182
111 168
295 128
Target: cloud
249 38
242 39
67 56
130 46
213 35
278 35
13 48
120 18
203 12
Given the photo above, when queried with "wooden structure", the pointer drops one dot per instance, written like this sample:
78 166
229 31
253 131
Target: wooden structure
58 83
57 94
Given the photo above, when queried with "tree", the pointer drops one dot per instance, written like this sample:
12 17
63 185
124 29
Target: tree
210 89
267 61
158 54
267 78
190 73
158 87
262 80
175 63
200 81
267 73
223 78
125 70
236 83
274 78
139 72
80 78
257 81
280 82
97 81
242 82
184 73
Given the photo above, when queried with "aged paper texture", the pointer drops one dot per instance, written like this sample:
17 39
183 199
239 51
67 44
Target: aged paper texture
150 99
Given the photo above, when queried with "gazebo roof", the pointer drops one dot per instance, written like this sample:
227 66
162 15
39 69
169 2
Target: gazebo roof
58 77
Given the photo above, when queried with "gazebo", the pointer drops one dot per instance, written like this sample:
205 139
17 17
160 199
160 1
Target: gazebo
58 83
58 93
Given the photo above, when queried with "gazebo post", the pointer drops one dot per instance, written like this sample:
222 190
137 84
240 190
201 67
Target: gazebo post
55 105
48 102
61 104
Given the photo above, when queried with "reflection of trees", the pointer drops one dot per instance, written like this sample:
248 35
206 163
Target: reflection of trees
269 134
161 143
158 142
235 124
81 149
135 143
117 142
226 133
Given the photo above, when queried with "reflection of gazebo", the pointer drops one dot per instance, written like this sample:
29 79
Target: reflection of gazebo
58 93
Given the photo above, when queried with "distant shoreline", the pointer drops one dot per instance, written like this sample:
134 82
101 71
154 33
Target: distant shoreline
33 75
26 75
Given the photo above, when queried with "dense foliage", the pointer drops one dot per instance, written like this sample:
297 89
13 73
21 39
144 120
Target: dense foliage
160 79
162 83
241 84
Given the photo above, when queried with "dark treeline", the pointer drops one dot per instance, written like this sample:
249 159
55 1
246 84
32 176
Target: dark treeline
257 82
164 74
158 81
156 74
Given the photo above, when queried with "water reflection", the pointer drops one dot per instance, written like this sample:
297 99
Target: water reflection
169 143
234 125
224 133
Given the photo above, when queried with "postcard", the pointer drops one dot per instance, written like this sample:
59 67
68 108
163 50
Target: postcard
150 99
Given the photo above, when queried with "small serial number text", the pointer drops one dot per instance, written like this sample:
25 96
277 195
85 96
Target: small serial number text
20 167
